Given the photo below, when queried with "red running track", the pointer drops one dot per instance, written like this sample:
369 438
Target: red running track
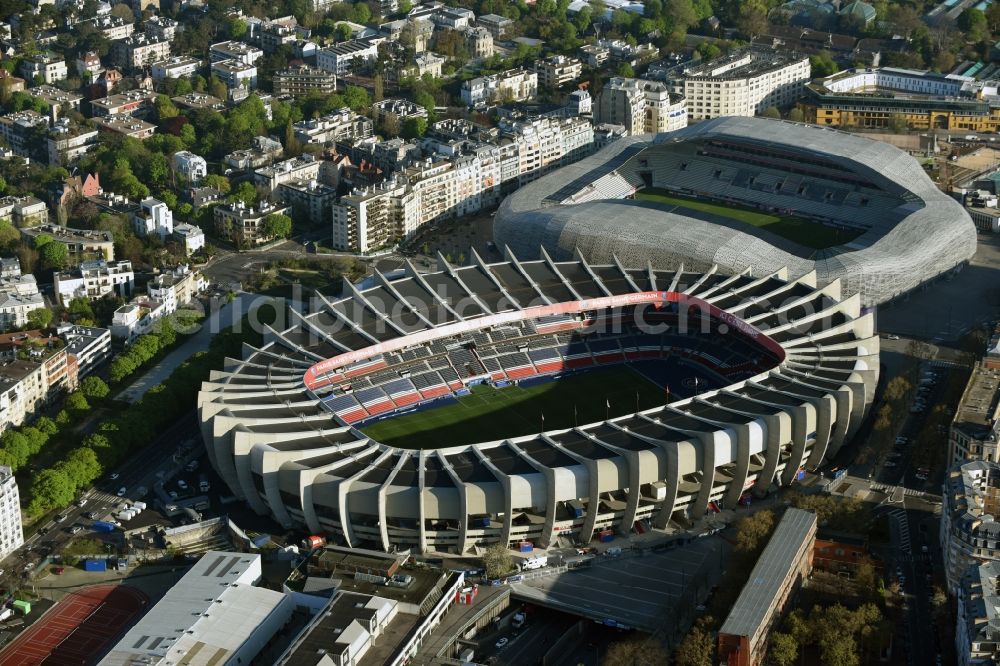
78 629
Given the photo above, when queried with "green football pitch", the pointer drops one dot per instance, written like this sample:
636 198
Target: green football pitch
796 229
490 414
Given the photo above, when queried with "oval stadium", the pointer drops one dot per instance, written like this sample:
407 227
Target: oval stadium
543 401
737 192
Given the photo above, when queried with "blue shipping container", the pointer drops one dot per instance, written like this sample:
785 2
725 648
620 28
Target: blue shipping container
525 547
95 565
101 526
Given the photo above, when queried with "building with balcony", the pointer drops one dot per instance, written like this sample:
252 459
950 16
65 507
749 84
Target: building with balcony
83 244
557 71
11 534
178 67
139 51
192 168
87 346
153 218
304 80
513 85
298 168
245 53
125 125
235 74
342 125
26 211
309 200
244 225
970 533
46 67
190 236
93 280
348 56
642 107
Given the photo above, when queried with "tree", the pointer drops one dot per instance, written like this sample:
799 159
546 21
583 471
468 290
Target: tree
784 649
54 255
51 488
94 388
40 318
796 115
277 225
237 28
356 98
772 112
753 531
77 403
636 651
973 23
217 182
625 69
414 128
497 561
752 17
822 64
244 192
216 88
697 648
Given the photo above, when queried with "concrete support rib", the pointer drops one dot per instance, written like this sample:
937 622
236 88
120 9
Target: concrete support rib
288 455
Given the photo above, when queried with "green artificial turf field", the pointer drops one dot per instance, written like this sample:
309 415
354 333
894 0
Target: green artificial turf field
796 229
490 414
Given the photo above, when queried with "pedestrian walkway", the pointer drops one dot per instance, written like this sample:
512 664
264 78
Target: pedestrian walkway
902 529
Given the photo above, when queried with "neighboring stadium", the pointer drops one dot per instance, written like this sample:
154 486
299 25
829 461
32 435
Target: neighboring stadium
538 401
846 207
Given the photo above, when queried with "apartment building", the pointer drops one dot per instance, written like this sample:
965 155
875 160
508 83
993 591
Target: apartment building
642 107
342 125
479 43
87 346
47 67
243 224
161 27
372 218
34 369
396 111
192 168
94 279
153 218
513 85
126 126
11 534
427 63
190 236
969 532
497 25
178 67
276 33
235 74
15 307
238 51
298 168
977 626
135 318
262 151
25 211
744 83
139 51
112 27
60 101
309 199
22 131
557 71
176 287
68 141
347 56
304 80
137 103
83 244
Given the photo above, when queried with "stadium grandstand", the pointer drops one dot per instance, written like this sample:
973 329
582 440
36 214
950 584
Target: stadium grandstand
761 377
891 228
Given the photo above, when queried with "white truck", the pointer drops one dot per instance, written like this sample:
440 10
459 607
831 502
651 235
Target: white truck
517 621
533 563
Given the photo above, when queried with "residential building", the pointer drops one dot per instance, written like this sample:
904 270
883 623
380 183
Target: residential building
197 100
15 307
778 574
135 318
10 267
985 218
262 151
977 627
373 218
23 131
59 101
68 141
743 83
343 633
83 244
235 74
309 199
342 125
455 18
970 533
190 236
192 168
176 287
513 85
87 346
394 112
880 97
429 63
139 51
28 384
126 125
213 613
138 103
643 107
161 27
595 55
557 71
238 51
346 57
497 25
88 66
304 80
243 224
112 27
10 82
974 433
298 168
178 67
153 218
11 534
276 33
23 212
46 67
479 43
95 279
580 103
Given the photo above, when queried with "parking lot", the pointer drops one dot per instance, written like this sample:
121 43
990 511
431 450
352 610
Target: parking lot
641 592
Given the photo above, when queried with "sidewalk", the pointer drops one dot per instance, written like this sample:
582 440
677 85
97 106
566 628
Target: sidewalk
154 580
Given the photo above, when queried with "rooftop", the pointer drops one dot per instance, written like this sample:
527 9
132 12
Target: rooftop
972 497
981 602
756 601
732 66
69 235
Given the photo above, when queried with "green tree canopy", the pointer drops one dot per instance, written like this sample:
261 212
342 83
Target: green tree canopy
277 225
40 318
94 388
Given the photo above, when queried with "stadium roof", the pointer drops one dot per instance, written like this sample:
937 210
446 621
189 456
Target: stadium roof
914 233
760 596
204 618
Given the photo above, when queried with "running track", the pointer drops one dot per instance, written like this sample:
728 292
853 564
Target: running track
78 629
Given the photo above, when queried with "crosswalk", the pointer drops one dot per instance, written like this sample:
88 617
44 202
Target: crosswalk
902 530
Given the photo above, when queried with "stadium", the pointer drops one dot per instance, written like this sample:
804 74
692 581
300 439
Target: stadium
538 401
739 192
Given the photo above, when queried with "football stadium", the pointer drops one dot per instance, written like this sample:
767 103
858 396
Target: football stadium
739 192
550 402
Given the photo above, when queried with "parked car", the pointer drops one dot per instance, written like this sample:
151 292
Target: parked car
122 491
59 518
114 476
76 529
182 484
502 642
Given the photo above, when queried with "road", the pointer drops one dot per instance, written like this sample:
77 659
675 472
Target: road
228 268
